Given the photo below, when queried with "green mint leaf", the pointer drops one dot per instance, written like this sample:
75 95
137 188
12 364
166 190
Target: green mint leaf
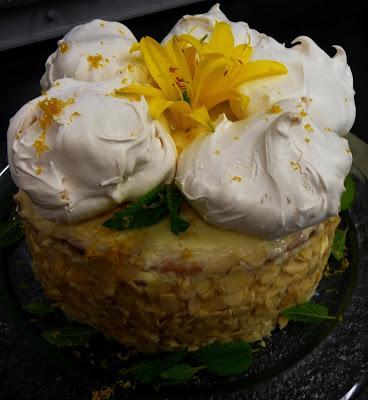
225 358
145 211
149 371
338 244
307 312
347 198
38 309
174 199
69 336
10 232
186 97
180 373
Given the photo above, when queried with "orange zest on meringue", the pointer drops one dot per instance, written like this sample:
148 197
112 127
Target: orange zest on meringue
50 107
95 61
192 80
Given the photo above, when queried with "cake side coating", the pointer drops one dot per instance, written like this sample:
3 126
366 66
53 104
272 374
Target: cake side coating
158 309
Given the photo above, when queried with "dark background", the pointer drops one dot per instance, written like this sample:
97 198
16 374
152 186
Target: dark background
324 21
22 370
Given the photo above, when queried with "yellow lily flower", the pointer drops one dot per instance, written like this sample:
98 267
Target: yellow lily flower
193 79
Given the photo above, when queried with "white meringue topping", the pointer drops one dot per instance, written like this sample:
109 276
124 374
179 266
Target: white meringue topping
96 51
268 175
96 151
202 25
325 84
279 170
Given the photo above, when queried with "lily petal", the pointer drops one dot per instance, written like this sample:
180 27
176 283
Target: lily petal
222 39
239 105
258 69
175 51
159 63
158 105
201 116
145 90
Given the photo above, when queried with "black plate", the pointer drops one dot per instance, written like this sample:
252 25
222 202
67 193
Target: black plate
327 361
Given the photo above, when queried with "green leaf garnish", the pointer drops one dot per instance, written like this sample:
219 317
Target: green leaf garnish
146 211
150 209
225 358
149 371
10 232
347 198
180 373
38 309
338 244
69 336
307 312
174 199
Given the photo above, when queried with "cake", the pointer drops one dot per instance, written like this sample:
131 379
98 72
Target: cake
245 133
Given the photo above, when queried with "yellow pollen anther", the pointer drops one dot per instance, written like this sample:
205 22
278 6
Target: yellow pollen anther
236 178
327 129
307 140
38 170
303 114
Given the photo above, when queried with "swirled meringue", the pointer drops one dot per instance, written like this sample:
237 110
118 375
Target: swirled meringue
268 175
322 85
201 26
88 152
96 51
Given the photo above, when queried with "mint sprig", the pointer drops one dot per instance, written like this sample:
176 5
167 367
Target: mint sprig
149 209
225 359
38 309
69 336
348 196
180 373
174 200
149 371
307 312
338 244
10 232
146 211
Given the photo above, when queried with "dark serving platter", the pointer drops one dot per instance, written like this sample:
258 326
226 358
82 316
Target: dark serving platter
326 361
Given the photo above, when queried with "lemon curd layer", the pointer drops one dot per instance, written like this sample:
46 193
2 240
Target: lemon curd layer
202 248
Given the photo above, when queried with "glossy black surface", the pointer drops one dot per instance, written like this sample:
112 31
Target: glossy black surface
302 362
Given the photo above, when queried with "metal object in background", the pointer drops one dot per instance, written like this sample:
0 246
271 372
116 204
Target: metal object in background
29 21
